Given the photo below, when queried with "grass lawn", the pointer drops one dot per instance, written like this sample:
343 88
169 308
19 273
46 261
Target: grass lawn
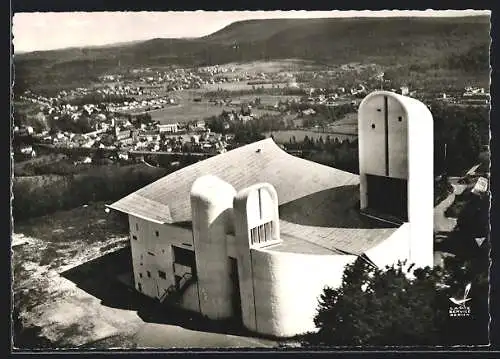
285 136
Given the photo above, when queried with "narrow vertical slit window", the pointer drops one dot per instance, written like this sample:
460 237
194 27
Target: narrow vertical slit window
260 203
386 124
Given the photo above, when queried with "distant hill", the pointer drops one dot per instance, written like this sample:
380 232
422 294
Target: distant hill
456 43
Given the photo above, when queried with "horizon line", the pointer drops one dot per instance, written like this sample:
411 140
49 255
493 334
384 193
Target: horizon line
424 15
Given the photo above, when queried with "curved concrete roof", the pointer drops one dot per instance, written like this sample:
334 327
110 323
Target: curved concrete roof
318 205
167 200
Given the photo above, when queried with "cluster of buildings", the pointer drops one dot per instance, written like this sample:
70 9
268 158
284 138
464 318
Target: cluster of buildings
28 96
469 96
122 135
22 142
96 112
142 105
215 69
173 79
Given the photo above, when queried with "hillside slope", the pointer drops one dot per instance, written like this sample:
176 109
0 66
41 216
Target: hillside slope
387 41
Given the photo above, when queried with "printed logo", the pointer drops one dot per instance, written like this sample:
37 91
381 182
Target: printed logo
480 241
461 309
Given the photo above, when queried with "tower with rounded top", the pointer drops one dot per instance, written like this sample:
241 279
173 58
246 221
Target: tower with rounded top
395 136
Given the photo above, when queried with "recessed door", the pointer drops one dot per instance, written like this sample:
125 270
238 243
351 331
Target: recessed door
388 196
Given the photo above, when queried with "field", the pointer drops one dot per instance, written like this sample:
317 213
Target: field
254 67
193 111
345 128
286 135
242 85
348 124
268 100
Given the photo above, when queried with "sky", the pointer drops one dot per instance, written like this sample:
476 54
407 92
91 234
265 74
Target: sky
48 31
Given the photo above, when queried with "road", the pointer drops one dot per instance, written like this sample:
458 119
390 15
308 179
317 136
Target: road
441 222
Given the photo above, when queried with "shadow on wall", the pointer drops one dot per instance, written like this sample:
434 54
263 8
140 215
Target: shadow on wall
99 278
336 207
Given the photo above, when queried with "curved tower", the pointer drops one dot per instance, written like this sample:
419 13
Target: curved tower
211 208
396 155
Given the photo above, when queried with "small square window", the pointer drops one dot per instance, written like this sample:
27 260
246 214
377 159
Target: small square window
157 233
162 274
134 237
149 274
140 275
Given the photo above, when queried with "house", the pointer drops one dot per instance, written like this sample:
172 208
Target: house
23 131
169 128
228 137
195 139
240 235
27 151
308 112
123 156
244 118
480 187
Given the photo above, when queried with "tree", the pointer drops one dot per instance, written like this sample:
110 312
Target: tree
375 307
470 141
386 307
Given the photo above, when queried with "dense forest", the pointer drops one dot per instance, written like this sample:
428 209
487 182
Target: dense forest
45 192
460 136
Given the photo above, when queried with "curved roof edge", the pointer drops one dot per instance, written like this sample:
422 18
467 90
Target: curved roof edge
405 101
167 199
